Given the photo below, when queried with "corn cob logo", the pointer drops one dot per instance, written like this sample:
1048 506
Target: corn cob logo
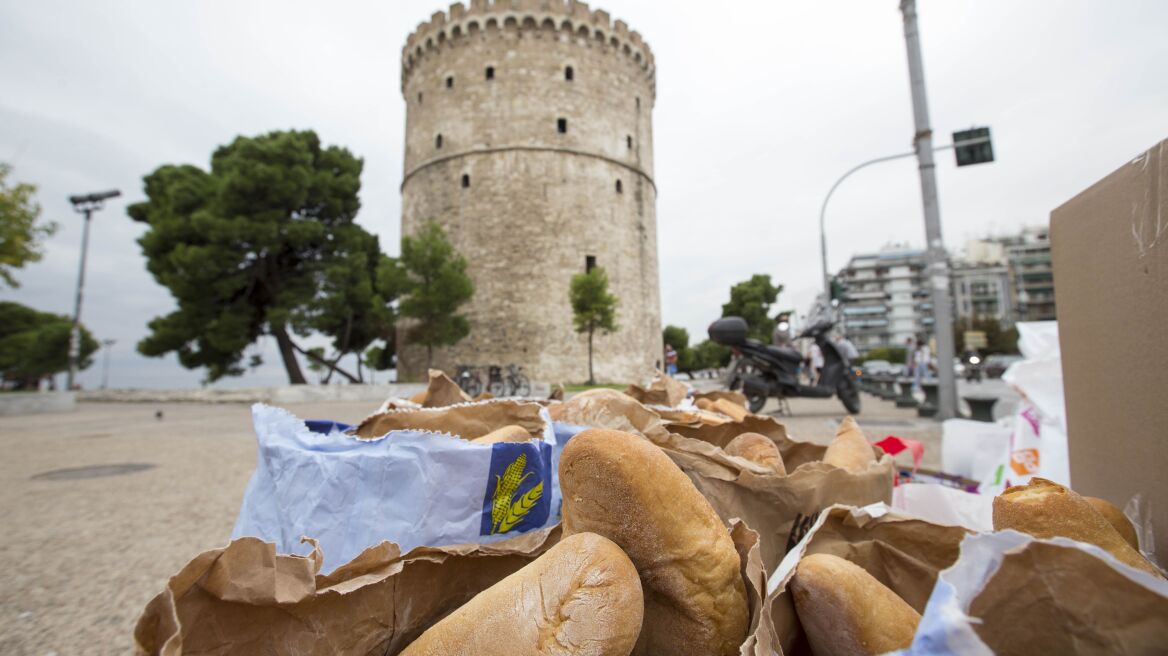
506 509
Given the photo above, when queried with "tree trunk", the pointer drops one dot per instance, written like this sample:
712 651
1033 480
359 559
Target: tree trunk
429 358
591 378
360 376
288 353
331 365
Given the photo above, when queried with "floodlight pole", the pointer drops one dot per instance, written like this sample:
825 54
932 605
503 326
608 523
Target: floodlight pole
107 343
938 265
86 205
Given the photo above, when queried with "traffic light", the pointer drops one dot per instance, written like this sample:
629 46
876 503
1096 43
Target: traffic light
977 148
837 291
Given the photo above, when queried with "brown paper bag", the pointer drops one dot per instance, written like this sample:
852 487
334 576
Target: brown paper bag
738 398
245 598
467 421
903 553
441 391
662 390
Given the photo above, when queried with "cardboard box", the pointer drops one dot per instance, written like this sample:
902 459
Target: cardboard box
1109 247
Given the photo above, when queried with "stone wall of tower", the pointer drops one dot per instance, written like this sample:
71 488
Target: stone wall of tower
526 203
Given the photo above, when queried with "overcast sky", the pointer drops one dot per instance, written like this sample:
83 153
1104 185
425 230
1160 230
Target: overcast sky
760 107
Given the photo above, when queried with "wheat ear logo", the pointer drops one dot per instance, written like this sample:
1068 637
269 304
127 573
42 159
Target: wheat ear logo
506 510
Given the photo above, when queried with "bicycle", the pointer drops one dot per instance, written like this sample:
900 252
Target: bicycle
469 381
518 382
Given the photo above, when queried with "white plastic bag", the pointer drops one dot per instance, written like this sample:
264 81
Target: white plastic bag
414 488
941 504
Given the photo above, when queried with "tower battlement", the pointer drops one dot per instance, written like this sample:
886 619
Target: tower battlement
591 28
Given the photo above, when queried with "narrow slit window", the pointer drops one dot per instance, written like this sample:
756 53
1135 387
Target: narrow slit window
638 103
569 74
589 263
620 189
490 72
450 82
629 141
419 97
562 125
438 141
465 180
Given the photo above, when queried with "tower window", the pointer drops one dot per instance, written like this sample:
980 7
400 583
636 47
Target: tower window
638 103
450 82
438 141
465 180
490 72
589 263
419 97
562 125
568 73
629 140
620 189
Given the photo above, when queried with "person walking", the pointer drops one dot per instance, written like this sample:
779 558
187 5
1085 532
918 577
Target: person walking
921 359
670 360
816 356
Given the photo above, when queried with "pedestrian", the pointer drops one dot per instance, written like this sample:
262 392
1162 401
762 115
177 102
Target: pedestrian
670 360
922 359
816 356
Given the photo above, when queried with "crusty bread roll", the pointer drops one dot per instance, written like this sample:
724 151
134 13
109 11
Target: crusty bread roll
1117 519
704 404
1046 509
845 611
730 409
850 449
757 448
626 489
581 597
510 433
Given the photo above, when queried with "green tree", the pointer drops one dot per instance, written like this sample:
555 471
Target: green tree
248 247
752 300
593 308
434 284
893 354
997 340
20 235
678 338
710 355
35 345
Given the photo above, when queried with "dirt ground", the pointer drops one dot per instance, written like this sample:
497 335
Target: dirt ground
83 556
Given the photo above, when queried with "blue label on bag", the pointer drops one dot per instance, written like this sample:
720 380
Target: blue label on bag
518 495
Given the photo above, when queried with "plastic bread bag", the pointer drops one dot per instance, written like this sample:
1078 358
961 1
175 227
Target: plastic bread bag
415 487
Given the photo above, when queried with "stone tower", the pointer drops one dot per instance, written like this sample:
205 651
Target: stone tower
529 140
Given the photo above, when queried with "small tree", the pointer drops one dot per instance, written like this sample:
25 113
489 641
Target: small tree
752 300
710 355
593 308
34 345
435 285
20 235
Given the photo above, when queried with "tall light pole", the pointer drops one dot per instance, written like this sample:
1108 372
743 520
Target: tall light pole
106 343
938 264
87 205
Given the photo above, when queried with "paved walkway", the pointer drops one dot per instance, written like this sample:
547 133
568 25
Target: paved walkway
84 555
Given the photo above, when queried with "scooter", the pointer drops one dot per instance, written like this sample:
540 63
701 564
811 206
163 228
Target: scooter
763 370
973 369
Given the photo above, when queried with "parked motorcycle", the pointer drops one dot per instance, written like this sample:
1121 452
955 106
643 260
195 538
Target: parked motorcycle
973 369
763 370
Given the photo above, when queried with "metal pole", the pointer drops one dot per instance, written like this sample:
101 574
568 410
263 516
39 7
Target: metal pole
107 343
938 271
75 333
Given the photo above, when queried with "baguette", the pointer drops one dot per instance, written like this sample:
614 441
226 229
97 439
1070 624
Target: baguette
626 489
845 611
1117 519
581 597
1046 509
510 433
730 409
757 448
850 449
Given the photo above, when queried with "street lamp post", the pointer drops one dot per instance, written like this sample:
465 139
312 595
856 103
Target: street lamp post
87 205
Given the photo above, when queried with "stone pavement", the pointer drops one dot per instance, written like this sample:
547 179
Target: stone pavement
83 555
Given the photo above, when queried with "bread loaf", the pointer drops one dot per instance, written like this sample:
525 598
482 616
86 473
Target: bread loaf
1046 509
510 433
1117 519
626 489
850 449
757 448
581 597
704 404
845 611
730 409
